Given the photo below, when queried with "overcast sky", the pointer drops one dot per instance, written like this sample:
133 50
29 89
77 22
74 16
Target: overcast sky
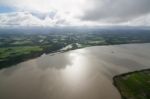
74 12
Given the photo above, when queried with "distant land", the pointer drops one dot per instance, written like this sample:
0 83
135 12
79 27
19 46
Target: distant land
17 45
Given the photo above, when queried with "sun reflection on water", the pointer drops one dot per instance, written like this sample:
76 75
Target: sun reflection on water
75 73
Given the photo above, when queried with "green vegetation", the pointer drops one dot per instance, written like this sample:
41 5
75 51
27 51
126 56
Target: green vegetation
19 46
13 55
135 85
16 51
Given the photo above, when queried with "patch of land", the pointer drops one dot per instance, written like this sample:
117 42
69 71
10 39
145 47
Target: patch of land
134 85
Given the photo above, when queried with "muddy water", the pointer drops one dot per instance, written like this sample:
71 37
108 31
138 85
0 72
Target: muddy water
80 74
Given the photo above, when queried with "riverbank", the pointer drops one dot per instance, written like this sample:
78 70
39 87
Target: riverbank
134 85
11 56
25 54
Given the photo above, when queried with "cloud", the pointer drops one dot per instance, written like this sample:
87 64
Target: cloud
42 16
140 21
63 6
29 19
55 12
115 11
74 12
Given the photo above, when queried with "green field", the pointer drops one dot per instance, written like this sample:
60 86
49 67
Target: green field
135 85
16 51
12 55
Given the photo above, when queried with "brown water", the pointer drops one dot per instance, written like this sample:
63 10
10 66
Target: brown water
80 74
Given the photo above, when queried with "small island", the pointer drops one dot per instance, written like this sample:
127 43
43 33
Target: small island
134 85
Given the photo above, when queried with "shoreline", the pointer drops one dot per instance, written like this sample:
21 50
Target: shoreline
115 80
15 60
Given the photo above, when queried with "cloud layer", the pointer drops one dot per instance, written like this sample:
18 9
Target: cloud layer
116 10
76 12
32 19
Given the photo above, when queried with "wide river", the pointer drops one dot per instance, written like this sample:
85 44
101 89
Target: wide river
79 74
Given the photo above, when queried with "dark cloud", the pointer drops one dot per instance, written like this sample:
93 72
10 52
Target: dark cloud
42 16
116 11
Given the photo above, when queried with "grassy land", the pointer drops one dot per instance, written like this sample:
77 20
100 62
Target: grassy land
12 55
135 85
16 51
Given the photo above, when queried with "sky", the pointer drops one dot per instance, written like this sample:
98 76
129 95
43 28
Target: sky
74 13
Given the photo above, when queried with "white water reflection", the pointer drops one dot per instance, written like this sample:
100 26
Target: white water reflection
75 72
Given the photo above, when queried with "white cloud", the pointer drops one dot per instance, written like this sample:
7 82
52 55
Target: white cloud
44 12
76 12
63 6
26 19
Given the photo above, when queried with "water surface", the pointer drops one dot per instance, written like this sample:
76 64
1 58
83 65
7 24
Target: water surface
80 74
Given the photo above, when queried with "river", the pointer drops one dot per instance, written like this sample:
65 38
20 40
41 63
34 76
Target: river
79 74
